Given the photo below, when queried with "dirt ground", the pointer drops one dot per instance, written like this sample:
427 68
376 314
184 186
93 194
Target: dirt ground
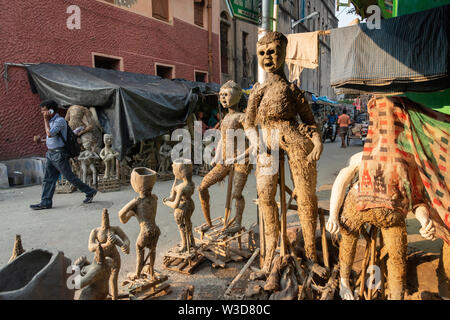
67 225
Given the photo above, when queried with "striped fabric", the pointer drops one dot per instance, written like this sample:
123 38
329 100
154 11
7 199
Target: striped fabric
408 53
406 160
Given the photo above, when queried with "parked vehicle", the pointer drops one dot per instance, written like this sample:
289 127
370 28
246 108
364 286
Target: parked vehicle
329 131
357 131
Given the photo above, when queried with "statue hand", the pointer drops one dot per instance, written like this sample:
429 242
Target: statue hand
428 231
315 153
125 249
332 225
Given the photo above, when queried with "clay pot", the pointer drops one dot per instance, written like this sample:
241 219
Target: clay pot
142 179
36 275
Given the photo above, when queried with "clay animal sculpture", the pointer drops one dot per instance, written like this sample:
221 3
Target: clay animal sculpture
108 155
230 94
109 237
94 280
275 105
391 223
144 209
180 199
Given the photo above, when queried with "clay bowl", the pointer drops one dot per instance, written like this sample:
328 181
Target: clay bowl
142 179
182 165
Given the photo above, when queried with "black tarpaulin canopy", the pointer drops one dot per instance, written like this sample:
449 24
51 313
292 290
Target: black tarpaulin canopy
132 107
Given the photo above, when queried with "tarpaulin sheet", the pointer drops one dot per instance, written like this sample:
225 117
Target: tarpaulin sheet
408 53
132 107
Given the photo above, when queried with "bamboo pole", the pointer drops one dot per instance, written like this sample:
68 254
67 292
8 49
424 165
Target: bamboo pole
326 255
282 182
228 202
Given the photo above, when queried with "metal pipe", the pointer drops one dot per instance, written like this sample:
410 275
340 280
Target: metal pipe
275 16
210 54
265 20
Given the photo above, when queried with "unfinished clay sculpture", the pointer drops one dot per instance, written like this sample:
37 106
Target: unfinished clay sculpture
164 154
230 94
109 237
94 281
108 155
275 105
180 199
82 122
144 209
87 159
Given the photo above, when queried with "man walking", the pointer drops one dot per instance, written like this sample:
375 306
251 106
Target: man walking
343 122
57 157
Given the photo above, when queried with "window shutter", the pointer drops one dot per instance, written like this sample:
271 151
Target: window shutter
160 9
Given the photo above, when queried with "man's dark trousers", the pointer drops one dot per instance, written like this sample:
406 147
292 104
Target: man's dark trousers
58 162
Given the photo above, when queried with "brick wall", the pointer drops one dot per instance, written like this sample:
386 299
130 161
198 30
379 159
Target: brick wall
35 31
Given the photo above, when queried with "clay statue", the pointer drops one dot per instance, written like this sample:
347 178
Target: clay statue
230 94
180 199
164 153
87 159
94 276
144 209
108 155
274 105
109 237
18 249
82 122
391 222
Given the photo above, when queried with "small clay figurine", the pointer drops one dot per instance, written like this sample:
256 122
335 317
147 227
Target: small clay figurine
18 249
275 105
144 209
109 237
230 94
108 155
94 276
87 159
164 153
180 200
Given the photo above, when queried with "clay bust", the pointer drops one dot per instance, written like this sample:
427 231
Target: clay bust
164 153
108 155
391 223
180 199
87 159
144 209
109 237
80 120
275 105
94 276
230 94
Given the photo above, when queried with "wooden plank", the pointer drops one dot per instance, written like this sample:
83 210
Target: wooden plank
216 262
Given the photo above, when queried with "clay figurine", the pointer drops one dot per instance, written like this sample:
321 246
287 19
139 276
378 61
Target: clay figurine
275 105
180 199
18 249
94 276
144 209
230 94
109 237
81 120
164 153
87 159
108 155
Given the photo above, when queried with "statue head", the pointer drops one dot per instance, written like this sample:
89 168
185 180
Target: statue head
230 94
182 168
271 51
142 180
105 219
99 257
86 144
107 139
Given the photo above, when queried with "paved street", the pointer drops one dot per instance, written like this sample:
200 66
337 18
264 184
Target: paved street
66 227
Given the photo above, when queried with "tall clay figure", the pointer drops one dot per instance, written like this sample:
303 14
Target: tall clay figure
181 200
108 155
164 155
80 120
230 94
274 105
109 237
87 159
144 209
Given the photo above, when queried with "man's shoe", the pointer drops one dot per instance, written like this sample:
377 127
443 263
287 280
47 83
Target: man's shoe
39 206
90 197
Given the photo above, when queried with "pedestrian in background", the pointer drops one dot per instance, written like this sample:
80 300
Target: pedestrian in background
343 122
57 157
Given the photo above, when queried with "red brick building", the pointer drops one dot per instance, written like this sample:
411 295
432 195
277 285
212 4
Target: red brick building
165 37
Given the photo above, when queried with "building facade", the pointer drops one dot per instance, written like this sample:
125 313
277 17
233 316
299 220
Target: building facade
316 80
237 48
169 38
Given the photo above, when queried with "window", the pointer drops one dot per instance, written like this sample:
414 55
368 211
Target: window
201 76
224 27
160 9
245 55
107 62
198 12
165 72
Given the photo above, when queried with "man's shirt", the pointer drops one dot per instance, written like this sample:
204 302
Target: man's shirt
57 125
332 118
344 120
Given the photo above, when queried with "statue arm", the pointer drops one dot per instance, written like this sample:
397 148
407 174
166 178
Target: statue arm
90 276
428 230
174 204
127 211
92 245
172 192
218 156
126 241
252 106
